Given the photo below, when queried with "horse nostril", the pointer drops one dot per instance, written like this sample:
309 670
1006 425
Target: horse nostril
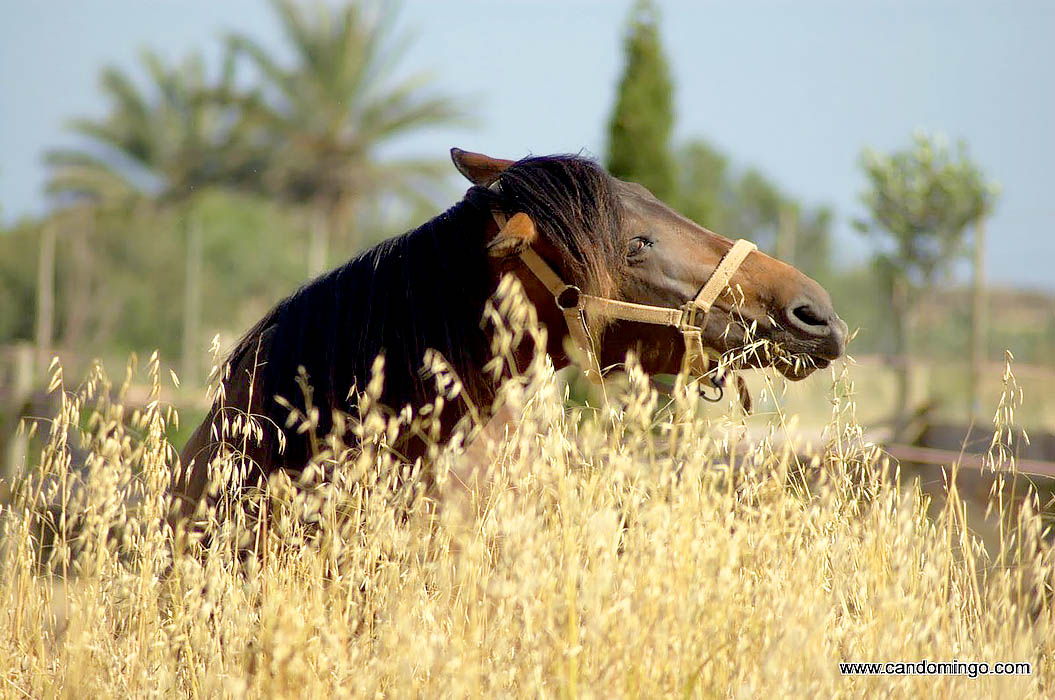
806 315
817 319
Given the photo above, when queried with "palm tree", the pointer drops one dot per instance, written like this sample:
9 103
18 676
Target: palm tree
157 149
322 121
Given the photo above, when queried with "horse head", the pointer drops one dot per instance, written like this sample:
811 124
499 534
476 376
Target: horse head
616 242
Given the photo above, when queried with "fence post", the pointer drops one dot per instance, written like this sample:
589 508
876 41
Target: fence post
22 367
45 295
979 331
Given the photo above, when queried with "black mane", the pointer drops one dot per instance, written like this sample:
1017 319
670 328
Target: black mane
576 210
427 289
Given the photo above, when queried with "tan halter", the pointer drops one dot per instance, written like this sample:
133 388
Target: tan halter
574 304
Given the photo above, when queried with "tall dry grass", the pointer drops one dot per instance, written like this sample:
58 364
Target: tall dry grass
640 549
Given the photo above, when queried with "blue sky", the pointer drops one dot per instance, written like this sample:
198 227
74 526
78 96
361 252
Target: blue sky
796 89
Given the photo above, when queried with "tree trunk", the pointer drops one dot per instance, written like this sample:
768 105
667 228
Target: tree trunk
192 300
318 241
979 329
80 304
902 330
45 296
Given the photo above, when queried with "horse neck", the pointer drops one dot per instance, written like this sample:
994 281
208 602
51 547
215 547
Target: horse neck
446 281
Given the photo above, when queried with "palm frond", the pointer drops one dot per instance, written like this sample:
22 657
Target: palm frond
80 174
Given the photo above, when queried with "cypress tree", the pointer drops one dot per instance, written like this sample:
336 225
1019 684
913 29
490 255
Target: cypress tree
639 129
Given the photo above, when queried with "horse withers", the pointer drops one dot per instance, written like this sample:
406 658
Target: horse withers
589 250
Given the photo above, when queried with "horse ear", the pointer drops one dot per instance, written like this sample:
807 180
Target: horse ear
478 168
516 236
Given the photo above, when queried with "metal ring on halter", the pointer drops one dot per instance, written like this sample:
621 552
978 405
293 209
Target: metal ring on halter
568 298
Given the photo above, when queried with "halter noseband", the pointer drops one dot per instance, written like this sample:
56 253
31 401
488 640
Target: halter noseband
575 304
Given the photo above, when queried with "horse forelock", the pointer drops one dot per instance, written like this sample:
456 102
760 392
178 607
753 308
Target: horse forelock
576 209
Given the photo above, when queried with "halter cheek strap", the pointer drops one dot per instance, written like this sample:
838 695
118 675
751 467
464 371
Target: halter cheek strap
696 358
574 305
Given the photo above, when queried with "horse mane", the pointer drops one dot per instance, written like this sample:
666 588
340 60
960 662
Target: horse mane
426 288
576 210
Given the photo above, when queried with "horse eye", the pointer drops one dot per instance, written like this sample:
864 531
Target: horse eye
638 244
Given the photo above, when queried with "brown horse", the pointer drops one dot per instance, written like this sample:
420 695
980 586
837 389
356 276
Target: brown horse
609 239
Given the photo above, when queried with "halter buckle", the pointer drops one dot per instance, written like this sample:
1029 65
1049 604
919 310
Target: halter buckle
689 310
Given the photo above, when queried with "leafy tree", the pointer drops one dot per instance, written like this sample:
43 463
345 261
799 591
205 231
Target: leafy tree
747 204
696 178
703 189
920 202
755 208
639 130
162 144
322 121
156 149
18 251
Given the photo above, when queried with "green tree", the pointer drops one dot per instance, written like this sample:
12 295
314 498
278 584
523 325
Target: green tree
156 149
748 205
703 189
323 121
19 253
696 178
639 129
920 202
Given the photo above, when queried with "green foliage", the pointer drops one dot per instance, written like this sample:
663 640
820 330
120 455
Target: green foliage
155 151
921 201
119 276
696 178
321 121
813 242
748 205
119 273
144 282
18 272
704 189
161 144
859 298
239 161
639 129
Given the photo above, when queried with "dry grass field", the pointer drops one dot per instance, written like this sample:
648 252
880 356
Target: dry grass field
642 549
